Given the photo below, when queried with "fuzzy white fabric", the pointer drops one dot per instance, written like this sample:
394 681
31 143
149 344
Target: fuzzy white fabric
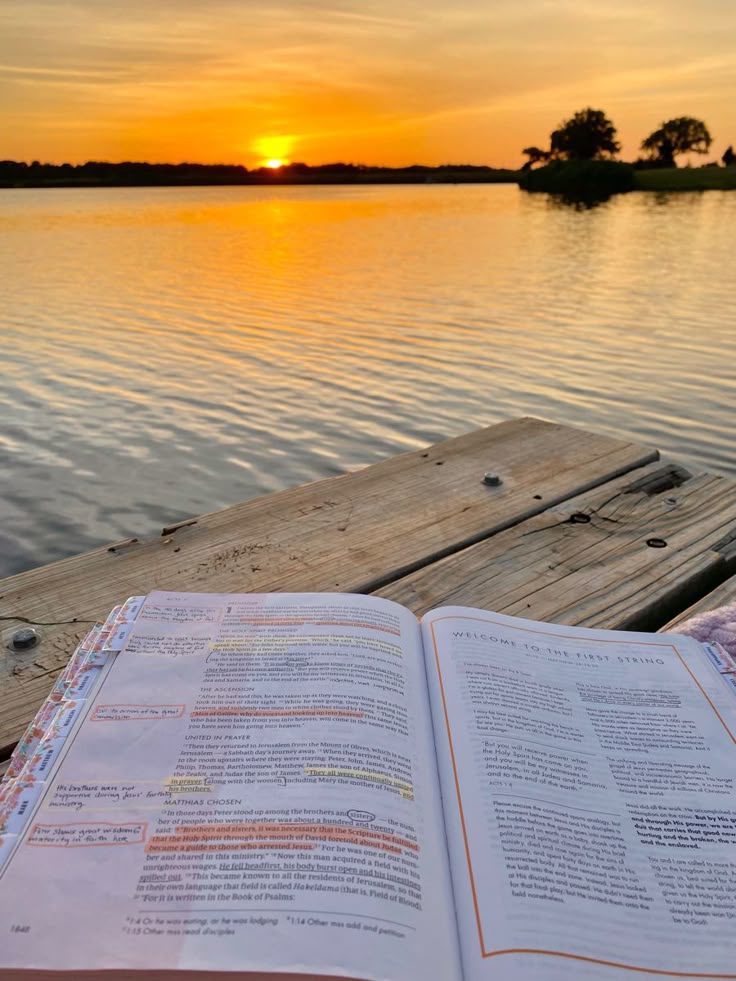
717 626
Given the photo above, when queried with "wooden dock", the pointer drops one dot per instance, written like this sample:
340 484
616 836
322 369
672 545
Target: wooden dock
579 529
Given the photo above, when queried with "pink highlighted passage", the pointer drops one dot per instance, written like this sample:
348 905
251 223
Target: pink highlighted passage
335 713
265 834
299 621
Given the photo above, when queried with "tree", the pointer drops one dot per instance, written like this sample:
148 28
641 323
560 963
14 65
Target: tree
729 157
535 156
681 135
589 135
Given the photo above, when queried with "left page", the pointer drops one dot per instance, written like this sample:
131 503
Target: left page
252 788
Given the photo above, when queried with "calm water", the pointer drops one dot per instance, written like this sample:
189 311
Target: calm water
170 351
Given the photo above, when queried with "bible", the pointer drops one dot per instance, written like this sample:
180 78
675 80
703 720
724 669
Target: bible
245 786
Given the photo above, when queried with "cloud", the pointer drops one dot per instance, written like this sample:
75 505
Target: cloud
385 77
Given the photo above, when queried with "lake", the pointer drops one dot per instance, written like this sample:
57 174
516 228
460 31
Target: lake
170 351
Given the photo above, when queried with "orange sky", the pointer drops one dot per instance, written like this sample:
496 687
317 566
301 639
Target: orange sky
380 81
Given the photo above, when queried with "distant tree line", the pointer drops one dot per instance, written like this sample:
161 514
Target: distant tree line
95 172
590 135
132 173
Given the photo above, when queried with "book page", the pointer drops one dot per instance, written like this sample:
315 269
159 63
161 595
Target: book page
252 787
588 787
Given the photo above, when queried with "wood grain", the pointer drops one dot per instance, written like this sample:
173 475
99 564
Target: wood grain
351 533
593 559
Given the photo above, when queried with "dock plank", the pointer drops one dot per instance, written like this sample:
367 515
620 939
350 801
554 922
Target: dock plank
587 560
352 533
722 595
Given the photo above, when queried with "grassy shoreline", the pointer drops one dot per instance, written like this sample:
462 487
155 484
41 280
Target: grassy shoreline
686 179
593 181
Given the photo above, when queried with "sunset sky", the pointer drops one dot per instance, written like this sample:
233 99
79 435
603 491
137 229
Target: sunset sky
372 81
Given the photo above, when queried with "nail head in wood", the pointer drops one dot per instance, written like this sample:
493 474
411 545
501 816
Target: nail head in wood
24 639
492 479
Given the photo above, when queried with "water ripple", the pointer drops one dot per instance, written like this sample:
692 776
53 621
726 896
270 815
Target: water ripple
170 351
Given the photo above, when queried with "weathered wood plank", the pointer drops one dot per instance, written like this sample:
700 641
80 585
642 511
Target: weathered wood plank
721 596
349 533
587 561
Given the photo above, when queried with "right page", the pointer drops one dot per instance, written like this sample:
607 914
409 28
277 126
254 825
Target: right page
588 787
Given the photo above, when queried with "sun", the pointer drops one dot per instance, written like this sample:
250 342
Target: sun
274 151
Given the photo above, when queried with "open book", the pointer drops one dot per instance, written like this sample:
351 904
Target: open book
320 785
